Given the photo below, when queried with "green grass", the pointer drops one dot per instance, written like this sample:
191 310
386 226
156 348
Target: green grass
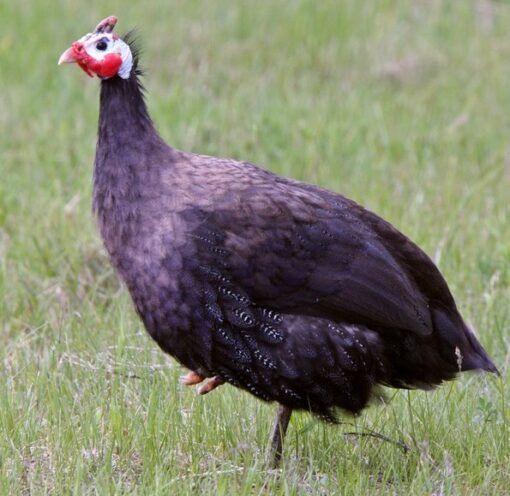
401 105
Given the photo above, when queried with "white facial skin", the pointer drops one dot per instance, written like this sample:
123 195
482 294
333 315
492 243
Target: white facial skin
98 45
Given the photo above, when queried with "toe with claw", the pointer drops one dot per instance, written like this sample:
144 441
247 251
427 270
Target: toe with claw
192 378
211 384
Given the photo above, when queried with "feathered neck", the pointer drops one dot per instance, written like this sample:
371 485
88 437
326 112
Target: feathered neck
127 141
123 107
124 119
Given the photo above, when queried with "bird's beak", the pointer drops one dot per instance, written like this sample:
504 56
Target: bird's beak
67 57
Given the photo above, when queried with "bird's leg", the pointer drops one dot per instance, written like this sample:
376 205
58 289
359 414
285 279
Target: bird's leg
211 384
192 378
278 434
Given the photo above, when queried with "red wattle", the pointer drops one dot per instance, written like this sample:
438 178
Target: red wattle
109 66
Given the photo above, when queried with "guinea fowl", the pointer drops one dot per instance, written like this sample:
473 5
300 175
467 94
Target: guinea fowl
289 291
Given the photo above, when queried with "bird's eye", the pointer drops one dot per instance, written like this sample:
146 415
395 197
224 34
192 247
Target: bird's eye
102 45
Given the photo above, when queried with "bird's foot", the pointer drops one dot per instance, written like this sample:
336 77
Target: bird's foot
211 384
192 378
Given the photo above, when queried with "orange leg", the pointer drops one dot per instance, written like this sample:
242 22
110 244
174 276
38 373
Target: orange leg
213 383
192 378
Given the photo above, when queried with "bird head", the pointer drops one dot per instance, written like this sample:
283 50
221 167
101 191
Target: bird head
101 53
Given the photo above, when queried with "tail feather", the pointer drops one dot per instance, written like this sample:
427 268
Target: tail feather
461 341
482 360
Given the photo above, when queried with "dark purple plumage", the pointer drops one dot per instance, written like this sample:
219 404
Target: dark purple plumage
286 290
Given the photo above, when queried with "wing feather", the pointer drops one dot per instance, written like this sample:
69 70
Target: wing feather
327 261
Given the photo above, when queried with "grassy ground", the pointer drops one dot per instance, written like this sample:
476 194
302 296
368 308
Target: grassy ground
401 105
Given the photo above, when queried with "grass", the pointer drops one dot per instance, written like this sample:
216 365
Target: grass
401 105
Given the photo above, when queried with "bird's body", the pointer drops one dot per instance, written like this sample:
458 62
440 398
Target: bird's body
287 290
